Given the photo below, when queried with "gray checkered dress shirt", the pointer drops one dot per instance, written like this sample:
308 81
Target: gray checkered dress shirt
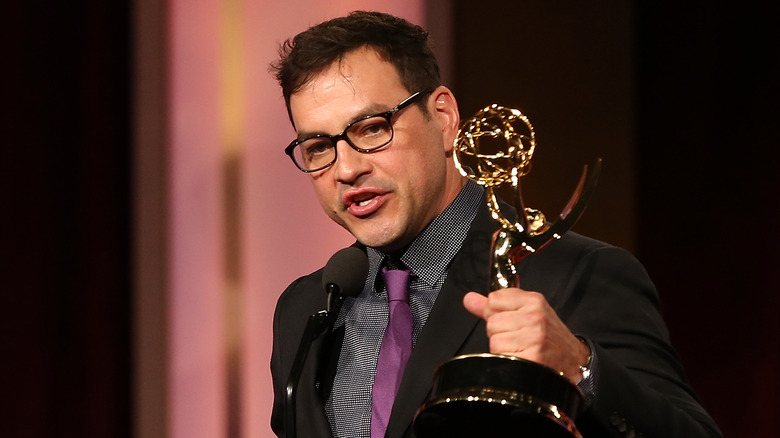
364 318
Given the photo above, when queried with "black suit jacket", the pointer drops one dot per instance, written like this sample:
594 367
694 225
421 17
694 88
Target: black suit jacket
599 291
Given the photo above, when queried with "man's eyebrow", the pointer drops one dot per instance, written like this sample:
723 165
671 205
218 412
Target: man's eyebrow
371 110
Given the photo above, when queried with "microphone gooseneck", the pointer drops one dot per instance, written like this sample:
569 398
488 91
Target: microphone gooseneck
343 276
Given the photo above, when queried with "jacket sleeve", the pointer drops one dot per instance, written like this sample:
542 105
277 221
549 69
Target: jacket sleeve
640 385
297 303
278 374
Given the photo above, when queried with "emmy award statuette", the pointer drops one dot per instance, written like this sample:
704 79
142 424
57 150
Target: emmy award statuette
497 395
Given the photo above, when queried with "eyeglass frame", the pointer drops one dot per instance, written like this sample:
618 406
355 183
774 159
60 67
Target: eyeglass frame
387 115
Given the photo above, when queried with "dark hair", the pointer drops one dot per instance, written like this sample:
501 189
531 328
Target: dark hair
401 43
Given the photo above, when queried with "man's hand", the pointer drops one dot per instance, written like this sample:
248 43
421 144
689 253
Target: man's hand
522 324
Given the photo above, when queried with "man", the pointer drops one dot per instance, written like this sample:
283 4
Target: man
375 131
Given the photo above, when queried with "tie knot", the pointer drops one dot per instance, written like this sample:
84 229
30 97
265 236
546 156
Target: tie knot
397 282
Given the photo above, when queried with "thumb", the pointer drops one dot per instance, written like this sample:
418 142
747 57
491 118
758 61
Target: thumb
475 304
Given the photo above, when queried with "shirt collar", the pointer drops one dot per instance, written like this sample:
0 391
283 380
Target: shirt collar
431 252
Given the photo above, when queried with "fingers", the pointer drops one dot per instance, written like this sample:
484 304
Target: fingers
522 324
513 318
502 301
522 332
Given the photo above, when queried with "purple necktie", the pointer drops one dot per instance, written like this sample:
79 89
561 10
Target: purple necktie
395 350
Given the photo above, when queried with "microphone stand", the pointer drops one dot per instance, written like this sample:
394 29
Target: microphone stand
317 325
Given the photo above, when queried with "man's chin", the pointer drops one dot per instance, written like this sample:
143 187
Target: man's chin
385 244
380 240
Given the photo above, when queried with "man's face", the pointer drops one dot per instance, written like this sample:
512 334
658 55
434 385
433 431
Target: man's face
384 198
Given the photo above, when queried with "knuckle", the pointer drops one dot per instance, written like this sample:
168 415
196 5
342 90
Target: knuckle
535 318
537 299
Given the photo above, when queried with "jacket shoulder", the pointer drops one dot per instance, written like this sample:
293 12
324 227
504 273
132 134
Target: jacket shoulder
305 295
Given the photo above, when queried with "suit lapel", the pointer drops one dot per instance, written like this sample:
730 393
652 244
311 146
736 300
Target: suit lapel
311 420
449 324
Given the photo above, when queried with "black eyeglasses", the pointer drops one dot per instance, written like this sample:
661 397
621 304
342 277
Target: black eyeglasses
368 134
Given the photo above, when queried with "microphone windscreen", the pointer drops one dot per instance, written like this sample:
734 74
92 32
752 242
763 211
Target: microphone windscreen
347 270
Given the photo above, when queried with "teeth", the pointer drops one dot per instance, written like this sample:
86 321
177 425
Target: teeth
363 199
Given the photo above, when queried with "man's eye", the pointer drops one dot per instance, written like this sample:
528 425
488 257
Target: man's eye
316 148
373 128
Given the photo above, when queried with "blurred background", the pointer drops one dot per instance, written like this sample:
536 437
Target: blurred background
151 219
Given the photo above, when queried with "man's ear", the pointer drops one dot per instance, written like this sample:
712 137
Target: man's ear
445 111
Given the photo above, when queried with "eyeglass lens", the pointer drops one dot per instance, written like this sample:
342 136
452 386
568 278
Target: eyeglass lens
367 134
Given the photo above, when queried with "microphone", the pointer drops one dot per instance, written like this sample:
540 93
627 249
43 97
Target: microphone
343 276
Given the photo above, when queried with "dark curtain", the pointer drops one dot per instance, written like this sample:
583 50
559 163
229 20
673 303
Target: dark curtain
708 197
66 303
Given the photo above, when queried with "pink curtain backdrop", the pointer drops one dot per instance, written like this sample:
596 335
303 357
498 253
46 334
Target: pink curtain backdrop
196 372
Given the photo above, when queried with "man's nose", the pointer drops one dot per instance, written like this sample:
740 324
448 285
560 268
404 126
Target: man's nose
350 164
